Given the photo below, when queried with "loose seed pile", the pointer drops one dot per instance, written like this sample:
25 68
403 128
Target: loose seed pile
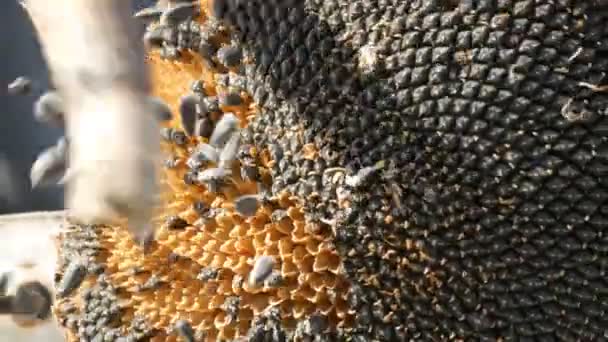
366 170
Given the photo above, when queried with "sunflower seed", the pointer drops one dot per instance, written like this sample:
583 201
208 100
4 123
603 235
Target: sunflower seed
50 166
203 154
49 108
247 205
20 86
204 128
261 270
223 130
72 278
187 111
214 178
230 150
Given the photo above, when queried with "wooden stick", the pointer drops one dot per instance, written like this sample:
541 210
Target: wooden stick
97 64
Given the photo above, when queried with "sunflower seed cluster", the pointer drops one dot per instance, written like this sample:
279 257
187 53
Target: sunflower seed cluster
487 216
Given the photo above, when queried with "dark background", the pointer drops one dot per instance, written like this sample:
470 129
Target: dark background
21 137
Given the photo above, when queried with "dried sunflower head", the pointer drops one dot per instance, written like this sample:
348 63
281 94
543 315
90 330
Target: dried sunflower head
418 170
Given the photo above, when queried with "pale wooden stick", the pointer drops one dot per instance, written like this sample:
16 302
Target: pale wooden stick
97 64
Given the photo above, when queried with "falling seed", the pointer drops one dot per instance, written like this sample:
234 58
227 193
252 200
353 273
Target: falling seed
187 111
49 108
20 86
72 278
148 14
154 37
223 130
230 99
50 166
62 146
179 12
184 329
160 109
230 150
230 55
204 128
261 270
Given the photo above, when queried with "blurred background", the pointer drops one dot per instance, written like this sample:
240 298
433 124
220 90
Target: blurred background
21 137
